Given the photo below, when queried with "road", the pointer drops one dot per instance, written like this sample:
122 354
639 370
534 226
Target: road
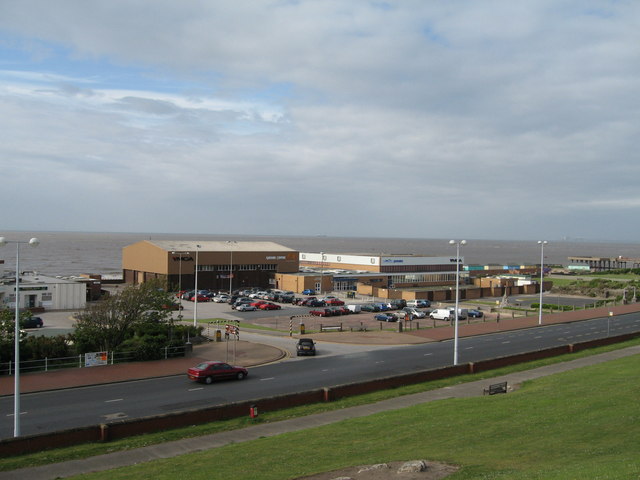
57 410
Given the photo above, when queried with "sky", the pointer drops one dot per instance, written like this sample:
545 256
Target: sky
426 119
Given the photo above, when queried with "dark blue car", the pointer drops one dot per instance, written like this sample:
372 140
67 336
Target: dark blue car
309 291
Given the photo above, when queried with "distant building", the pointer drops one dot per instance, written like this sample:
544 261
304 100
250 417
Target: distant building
221 264
600 264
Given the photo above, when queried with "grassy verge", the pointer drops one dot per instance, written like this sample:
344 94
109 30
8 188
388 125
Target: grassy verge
577 424
87 450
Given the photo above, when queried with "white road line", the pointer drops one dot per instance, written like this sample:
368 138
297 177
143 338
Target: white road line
427 354
195 389
268 378
114 400
508 341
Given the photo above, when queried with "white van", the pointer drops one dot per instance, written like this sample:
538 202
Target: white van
441 314
354 308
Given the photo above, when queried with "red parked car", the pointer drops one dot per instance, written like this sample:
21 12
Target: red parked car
201 298
207 372
334 302
323 312
269 306
257 303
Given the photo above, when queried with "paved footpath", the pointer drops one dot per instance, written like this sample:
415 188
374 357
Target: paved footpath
190 445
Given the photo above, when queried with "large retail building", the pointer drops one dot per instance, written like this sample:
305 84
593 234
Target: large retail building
221 265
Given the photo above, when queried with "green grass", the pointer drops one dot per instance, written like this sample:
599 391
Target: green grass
579 424
87 450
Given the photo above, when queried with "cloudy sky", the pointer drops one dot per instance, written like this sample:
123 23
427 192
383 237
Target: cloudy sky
429 119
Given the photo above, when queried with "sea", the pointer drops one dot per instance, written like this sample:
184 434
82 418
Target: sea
75 253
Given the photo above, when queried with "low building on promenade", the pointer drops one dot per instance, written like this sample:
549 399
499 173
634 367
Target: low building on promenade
40 292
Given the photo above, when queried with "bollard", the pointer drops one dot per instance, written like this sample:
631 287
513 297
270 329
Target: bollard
301 328
218 335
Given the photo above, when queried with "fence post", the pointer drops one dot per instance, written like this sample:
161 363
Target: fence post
10 365
79 360
46 364
166 351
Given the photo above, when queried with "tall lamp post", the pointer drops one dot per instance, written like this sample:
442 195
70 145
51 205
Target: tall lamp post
542 243
180 282
34 242
455 328
321 271
195 303
232 243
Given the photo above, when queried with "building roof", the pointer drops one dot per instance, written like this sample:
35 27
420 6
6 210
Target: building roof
219 246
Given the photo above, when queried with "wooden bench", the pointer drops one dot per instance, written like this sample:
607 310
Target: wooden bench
330 328
496 388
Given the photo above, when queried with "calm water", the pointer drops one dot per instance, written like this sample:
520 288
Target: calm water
71 253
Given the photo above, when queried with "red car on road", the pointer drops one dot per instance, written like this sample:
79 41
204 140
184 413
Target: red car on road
269 306
207 372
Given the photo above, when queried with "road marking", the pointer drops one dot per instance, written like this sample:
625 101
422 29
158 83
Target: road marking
114 400
508 341
539 336
195 389
21 413
468 348
427 354
268 378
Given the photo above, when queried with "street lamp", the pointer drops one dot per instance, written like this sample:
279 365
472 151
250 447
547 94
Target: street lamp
195 303
34 242
455 329
321 271
180 282
231 242
542 243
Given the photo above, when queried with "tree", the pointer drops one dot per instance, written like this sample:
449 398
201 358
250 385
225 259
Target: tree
107 324
7 333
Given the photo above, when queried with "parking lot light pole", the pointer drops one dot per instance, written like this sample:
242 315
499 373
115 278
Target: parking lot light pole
455 328
232 243
34 242
542 243
195 303
180 282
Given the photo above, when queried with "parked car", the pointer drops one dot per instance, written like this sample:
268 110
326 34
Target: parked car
172 306
336 311
244 307
33 322
334 301
207 372
221 298
419 303
200 298
323 312
308 291
344 310
414 312
383 307
257 303
241 302
306 346
314 303
269 306
475 313
385 317
369 307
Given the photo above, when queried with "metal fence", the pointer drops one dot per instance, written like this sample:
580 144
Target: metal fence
79 361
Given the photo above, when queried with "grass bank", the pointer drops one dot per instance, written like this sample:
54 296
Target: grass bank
578 424
87 450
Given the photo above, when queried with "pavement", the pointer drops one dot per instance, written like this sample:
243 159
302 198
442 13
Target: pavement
249 353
